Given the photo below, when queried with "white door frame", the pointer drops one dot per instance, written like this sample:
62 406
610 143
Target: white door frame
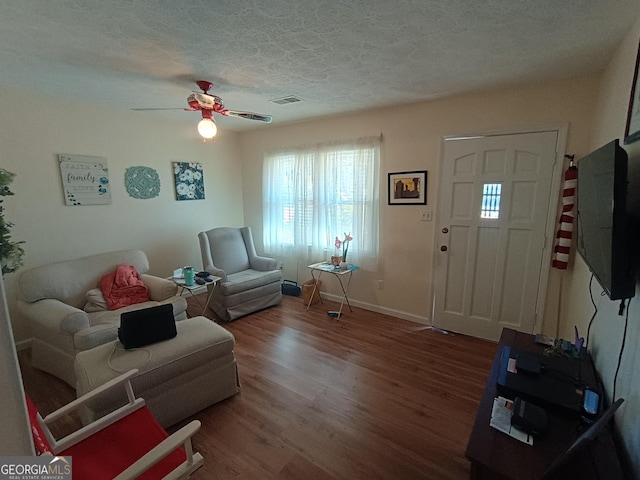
551 223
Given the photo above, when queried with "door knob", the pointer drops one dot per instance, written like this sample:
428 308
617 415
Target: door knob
443 248
445 230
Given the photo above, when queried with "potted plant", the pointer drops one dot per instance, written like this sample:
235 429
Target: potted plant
11 252
341 260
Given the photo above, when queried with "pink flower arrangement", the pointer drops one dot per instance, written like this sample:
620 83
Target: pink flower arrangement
344 244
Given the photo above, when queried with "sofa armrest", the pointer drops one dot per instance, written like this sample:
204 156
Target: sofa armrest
159 288
56 315
262 264
95 335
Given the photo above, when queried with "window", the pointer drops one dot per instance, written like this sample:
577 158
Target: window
491 200
313 194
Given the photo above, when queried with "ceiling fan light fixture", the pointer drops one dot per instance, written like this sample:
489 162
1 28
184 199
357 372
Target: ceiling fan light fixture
207 128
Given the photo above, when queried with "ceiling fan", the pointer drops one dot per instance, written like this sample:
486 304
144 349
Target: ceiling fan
209 104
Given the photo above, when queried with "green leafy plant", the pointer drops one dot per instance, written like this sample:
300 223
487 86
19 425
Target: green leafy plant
11 253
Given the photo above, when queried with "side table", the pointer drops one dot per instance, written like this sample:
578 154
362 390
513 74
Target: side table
325 267
495 455
212 280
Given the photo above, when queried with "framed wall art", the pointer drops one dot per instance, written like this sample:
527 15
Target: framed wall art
408 188
189 181
85 180
142 182
632 132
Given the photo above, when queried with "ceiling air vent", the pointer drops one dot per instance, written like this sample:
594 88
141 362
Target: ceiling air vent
286 100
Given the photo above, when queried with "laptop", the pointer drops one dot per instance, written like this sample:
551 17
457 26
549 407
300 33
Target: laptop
146 326
549 381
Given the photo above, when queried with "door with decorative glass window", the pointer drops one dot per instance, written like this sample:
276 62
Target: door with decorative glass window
492 224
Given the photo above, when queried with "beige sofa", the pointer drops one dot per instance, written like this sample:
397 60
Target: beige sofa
54 299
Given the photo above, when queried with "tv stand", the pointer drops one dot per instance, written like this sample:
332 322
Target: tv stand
495 455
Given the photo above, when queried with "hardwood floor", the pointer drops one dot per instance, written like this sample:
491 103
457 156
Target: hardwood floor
366 396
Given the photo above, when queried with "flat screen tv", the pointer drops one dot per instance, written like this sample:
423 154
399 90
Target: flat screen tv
605 220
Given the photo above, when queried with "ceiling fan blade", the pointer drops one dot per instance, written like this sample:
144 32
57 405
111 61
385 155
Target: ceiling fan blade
247 115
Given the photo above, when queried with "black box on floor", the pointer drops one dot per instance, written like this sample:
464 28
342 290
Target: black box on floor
289 287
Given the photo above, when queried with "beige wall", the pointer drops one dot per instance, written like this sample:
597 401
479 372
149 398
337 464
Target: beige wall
33 130
607 328
412 139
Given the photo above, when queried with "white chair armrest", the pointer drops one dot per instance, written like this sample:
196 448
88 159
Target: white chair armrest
263 264
58 315
88 430
159 288
216 272
75 404
180 438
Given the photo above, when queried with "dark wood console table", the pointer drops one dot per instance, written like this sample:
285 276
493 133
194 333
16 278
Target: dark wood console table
495 455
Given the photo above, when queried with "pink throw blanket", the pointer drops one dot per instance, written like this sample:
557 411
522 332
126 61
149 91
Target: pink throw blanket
123 287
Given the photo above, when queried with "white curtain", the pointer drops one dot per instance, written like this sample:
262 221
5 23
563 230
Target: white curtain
311 195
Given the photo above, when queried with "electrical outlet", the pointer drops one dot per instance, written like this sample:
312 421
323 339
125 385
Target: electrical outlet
425 216
380 284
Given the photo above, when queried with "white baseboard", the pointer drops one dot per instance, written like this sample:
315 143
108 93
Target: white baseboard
378 309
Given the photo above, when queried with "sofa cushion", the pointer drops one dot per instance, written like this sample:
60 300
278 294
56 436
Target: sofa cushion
245 296
104 325
113 316
247 280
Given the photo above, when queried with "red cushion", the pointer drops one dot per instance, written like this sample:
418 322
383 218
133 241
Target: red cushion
39 440
110 451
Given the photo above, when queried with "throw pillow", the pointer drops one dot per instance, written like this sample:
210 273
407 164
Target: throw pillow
95 301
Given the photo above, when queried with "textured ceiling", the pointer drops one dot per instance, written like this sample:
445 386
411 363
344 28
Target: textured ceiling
337 56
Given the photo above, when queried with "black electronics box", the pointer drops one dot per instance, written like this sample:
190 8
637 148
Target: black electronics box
529 417
289 287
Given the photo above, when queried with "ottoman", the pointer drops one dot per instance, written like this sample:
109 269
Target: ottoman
177 377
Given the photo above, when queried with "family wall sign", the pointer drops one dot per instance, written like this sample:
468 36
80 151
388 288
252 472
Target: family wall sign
85 180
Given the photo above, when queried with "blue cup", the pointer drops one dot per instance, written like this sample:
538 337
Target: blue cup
189 276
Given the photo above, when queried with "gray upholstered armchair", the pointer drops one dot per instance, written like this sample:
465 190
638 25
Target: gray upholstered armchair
248 282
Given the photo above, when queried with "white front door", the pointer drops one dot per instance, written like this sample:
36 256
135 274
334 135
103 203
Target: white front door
492 221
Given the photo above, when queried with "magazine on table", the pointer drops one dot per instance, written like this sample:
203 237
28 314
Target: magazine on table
501 420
